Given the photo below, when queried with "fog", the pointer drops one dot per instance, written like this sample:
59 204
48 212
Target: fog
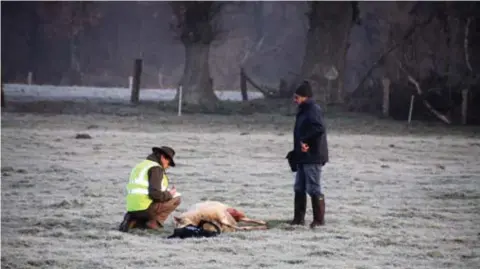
96 43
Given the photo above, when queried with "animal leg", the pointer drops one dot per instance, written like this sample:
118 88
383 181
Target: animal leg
247 220
251 228
245 228
231 226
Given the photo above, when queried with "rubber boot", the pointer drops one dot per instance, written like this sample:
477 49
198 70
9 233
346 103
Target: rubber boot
300 207
127 223
318 208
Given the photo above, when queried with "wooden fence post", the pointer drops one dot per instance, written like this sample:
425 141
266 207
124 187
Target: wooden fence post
330 74
386 97
130 83
30 78
464 106
180 96
137 72
3 97
243 84
410 111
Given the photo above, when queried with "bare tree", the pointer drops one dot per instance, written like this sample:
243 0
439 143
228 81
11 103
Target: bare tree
327 42
197 29
69 19
437 57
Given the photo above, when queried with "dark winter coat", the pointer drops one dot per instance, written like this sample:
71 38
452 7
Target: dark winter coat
310 129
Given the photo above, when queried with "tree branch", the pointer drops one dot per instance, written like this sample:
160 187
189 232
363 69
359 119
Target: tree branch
254 48
420 93
467 58
266 93
407 35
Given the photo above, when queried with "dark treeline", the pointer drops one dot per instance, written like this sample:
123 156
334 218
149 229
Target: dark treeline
425 48
105 37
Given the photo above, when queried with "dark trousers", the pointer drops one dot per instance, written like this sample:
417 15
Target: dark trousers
307 179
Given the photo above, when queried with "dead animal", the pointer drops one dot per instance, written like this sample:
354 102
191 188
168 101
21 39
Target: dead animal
225 216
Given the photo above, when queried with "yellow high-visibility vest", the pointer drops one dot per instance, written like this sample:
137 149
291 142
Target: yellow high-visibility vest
137 187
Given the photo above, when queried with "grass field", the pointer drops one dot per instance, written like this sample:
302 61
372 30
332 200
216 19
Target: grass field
395 197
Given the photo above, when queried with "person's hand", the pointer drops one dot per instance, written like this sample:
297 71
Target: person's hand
173 190
305 147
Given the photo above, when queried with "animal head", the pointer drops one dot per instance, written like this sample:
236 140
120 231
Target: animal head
236 214
181 222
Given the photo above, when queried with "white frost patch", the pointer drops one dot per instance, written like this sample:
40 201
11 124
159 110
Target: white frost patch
121 95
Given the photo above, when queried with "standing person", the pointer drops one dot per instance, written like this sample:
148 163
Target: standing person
149 201
309 155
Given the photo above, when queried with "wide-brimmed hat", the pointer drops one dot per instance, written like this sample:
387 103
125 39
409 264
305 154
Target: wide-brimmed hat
167 151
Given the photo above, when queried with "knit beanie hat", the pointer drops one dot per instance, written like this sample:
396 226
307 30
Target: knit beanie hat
304 90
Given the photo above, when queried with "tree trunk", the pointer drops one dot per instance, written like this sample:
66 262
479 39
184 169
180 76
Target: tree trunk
328 24
258 20
33 42
74 73
196 80
340 98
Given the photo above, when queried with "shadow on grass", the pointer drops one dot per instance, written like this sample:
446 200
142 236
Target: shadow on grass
167 231
281 224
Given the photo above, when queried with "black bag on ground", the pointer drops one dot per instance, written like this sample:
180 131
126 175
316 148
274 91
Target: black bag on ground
195 231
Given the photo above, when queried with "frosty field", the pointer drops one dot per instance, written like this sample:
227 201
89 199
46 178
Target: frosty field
393 200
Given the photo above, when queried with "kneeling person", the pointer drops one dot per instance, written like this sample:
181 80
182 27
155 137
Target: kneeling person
149 201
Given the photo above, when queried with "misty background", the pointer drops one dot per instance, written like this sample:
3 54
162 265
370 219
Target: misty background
96 43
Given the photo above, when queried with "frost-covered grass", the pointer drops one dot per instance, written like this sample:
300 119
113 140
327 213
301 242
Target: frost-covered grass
395 200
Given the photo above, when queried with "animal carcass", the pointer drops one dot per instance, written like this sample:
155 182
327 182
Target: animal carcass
225 216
